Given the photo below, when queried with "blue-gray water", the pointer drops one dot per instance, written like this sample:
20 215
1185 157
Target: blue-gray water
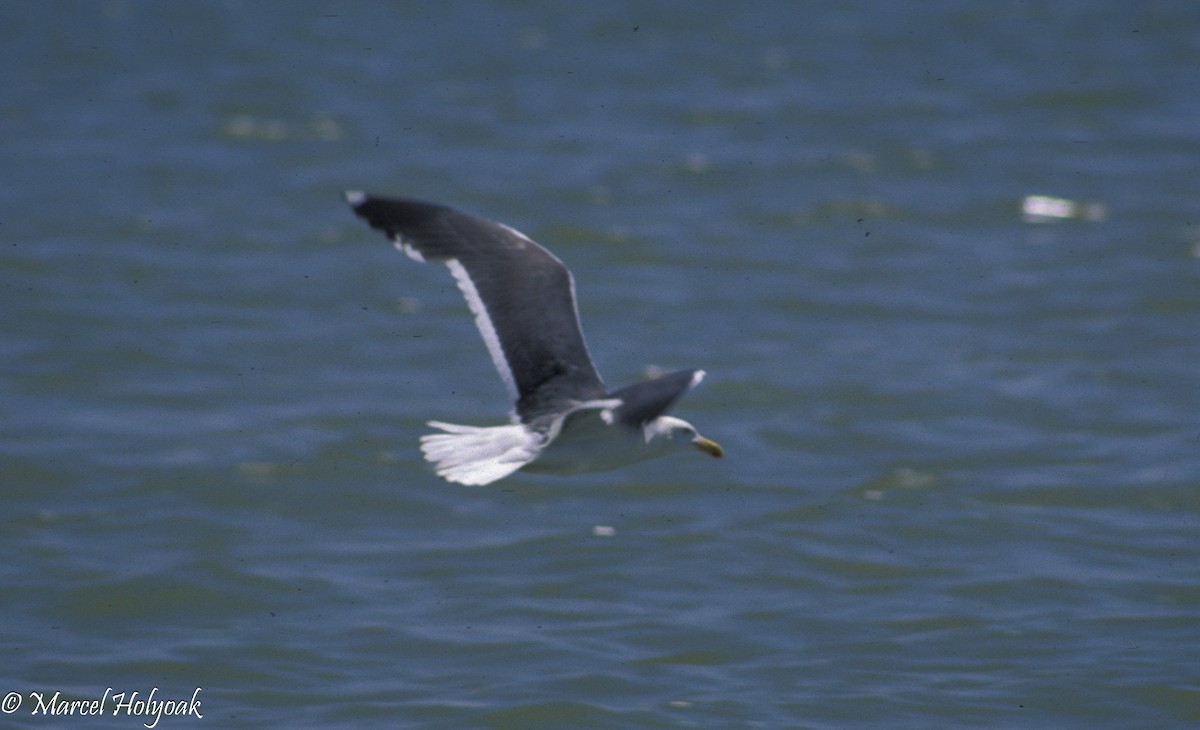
962 483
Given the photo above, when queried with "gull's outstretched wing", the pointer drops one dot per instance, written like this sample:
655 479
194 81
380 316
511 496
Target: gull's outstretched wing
522 296
647 400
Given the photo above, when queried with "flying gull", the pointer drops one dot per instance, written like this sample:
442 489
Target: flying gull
565 420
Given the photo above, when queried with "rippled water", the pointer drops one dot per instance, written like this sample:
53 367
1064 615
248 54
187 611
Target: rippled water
962 484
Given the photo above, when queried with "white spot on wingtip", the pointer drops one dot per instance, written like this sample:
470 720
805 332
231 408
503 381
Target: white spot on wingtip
697 377
355 197
408 250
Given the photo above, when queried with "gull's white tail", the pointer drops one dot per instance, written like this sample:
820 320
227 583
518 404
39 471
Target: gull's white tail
476 455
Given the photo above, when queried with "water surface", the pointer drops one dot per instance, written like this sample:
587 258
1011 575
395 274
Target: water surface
962 483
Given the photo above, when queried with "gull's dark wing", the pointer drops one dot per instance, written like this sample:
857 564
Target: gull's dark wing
642 402
522 296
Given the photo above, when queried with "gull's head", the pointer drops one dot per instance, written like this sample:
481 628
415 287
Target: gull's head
667 433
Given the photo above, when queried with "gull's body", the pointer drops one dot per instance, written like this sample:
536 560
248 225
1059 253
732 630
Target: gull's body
564 420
